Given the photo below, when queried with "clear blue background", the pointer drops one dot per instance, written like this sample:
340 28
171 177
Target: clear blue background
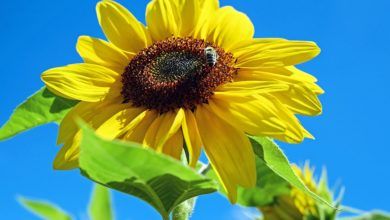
353 68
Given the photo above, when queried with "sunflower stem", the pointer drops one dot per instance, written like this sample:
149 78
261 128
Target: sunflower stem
184 210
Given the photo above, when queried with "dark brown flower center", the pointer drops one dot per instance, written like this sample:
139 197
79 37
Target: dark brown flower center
175 73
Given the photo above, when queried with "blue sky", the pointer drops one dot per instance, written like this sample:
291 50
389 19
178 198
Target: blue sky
352 68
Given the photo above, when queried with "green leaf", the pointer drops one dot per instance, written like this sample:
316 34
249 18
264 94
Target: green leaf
268 151
45 210
157 179
100 206
268 186
41 108
374 215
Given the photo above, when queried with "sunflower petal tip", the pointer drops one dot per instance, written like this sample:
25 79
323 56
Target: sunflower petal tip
317 49
309 136
319 91
98 9
232 198
318 111
98 5
81 38
45 78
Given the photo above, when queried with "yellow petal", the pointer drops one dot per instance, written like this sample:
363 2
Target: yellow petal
256 116
286 72
119 123
150 135
300 75
307 134
248 48
121 27
172 123
245 88
308 80
208 6
189 12
140 125
300 99
163 127
207 9
63 160
97 51
191 137
289 74
114 121
229 151
68 126
84 111
294 132
174 145
227 27
258 54
85 82
181 18
162 19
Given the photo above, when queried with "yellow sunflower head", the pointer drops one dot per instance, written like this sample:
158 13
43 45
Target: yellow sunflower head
297 204
194 74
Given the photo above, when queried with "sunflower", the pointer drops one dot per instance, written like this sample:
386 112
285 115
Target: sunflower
159 86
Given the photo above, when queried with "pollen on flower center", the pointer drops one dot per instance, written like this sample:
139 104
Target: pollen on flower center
174 73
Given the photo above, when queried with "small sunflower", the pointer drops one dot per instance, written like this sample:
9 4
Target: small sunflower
194 77
297 205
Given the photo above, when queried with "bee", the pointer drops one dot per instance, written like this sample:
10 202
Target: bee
211 56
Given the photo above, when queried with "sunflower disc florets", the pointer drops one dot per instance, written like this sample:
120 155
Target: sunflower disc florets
174 73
